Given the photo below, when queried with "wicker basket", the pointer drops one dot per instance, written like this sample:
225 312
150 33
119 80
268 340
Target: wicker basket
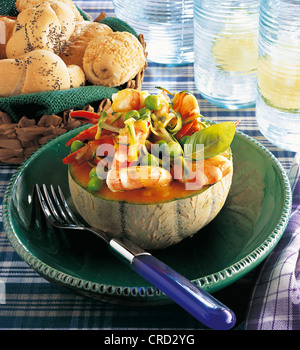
19 140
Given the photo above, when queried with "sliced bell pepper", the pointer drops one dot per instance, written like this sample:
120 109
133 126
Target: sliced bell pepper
88 151
187 129
85 135
88 117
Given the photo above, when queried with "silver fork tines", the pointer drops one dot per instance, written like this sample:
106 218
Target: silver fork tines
59 214
56 209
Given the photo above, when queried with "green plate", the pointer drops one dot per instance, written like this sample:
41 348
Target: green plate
239 238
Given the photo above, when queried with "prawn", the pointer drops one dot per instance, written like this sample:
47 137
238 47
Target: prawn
130 141
128 99
198 175
85 135
136 177
165 105
113 122
186 104
88 151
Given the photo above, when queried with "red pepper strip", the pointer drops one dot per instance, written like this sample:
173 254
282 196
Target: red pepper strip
186 130
87 134
86 116
195 127
87 152
237 123
192 127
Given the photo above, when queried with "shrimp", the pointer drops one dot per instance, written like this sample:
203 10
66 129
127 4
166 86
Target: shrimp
130 141
112 124
136 177
198 175
128 99
165 105
88 151
85 135
187 105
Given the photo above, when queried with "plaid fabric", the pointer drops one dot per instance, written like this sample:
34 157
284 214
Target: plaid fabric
275 304
33 303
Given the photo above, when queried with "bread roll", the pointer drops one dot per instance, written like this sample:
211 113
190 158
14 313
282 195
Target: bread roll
77 77
84 32
25 4
114 59
6 28
37 71
12 74
47 26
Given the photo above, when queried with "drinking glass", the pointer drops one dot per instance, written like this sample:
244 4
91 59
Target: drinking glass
278 100
167 26
225 51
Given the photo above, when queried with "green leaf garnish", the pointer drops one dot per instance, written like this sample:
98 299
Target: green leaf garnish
215 139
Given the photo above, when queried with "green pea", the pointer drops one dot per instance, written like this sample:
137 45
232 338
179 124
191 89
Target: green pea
153 102
150 159
183 140
95 183
145 112
158 149
76 145
161 142
132 114
173 149
101 171
93 172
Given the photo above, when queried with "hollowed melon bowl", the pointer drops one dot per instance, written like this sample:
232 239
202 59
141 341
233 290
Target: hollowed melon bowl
152 218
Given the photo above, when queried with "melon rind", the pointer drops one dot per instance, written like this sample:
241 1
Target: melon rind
151 226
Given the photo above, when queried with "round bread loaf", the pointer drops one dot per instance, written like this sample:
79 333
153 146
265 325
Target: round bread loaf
6 29
84 32
113 59
37 71
77 77
25 4
47 26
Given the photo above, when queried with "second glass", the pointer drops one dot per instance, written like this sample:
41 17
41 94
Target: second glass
278 77
225 51
166 24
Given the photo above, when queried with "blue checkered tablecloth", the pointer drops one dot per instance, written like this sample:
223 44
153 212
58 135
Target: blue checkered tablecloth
30 302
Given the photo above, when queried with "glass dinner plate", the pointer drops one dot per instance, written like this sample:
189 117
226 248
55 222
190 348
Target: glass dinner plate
246 230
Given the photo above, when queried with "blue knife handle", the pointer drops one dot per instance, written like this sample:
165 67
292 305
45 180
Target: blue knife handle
203 306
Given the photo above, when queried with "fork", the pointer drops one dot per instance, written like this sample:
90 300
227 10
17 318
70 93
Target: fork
200 304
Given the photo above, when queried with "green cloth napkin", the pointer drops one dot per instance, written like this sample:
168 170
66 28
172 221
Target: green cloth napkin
53 102
8 8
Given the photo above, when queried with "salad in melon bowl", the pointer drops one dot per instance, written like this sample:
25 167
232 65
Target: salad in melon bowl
150 168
